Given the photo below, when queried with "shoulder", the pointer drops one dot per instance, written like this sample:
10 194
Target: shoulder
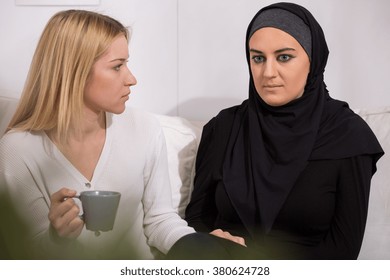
343 133
19 140
362 135
217 131
338 114
233 112
18 148
227 116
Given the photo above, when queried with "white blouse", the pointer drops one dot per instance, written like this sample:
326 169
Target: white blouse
133 162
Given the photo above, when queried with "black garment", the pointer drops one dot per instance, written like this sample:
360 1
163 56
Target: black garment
204 246
269 146
323 216
257 153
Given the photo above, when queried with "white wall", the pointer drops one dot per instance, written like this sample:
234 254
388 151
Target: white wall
188 55
153 46
212 65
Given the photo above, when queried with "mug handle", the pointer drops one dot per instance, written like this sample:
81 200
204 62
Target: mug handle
80 216
97 233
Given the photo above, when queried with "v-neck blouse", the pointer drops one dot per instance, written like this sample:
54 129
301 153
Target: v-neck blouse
133 162
99 169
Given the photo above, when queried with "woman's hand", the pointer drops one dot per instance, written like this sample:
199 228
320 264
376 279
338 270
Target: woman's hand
64 214
224 234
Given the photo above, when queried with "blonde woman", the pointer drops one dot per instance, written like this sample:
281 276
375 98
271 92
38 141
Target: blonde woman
72 132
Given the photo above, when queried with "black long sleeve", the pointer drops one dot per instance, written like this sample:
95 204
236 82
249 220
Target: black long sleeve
323 217
201 212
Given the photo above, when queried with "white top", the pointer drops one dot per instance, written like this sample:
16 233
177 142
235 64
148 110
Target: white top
133 162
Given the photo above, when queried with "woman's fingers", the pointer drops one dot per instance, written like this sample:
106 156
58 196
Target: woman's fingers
225 234
64 214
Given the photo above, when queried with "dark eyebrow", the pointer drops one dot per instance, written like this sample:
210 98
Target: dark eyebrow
277 51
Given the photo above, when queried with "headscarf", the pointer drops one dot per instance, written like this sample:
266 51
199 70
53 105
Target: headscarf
269 146
286 21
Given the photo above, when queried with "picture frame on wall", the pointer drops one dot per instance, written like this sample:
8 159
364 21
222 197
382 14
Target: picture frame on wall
57 2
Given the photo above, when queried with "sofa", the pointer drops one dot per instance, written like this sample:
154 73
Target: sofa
182 139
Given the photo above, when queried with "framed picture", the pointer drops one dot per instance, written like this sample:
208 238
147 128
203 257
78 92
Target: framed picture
56 2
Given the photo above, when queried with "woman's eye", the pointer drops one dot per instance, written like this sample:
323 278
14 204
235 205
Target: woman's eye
284 57
258 59
118 67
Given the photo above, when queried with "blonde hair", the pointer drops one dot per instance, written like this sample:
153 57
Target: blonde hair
52 98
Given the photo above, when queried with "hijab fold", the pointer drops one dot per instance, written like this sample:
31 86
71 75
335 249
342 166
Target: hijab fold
269 146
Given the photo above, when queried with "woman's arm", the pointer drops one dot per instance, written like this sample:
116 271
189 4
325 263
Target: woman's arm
162 225
20 179
345 236
201 212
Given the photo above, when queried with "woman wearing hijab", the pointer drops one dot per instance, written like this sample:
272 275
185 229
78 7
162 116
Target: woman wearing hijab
289 169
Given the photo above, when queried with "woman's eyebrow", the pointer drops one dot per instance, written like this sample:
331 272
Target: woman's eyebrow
255 51
119 59
285 49
277 51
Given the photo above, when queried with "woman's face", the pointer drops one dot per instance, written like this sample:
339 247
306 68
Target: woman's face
279 66
108 86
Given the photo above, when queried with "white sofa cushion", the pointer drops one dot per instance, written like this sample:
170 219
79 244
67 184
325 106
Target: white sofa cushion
182 138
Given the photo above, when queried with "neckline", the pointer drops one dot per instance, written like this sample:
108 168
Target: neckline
61 158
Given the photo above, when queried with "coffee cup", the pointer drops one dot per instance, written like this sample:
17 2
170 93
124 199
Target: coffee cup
99 209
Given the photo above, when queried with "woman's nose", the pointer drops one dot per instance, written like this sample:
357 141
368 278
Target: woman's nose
270 69
130 79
